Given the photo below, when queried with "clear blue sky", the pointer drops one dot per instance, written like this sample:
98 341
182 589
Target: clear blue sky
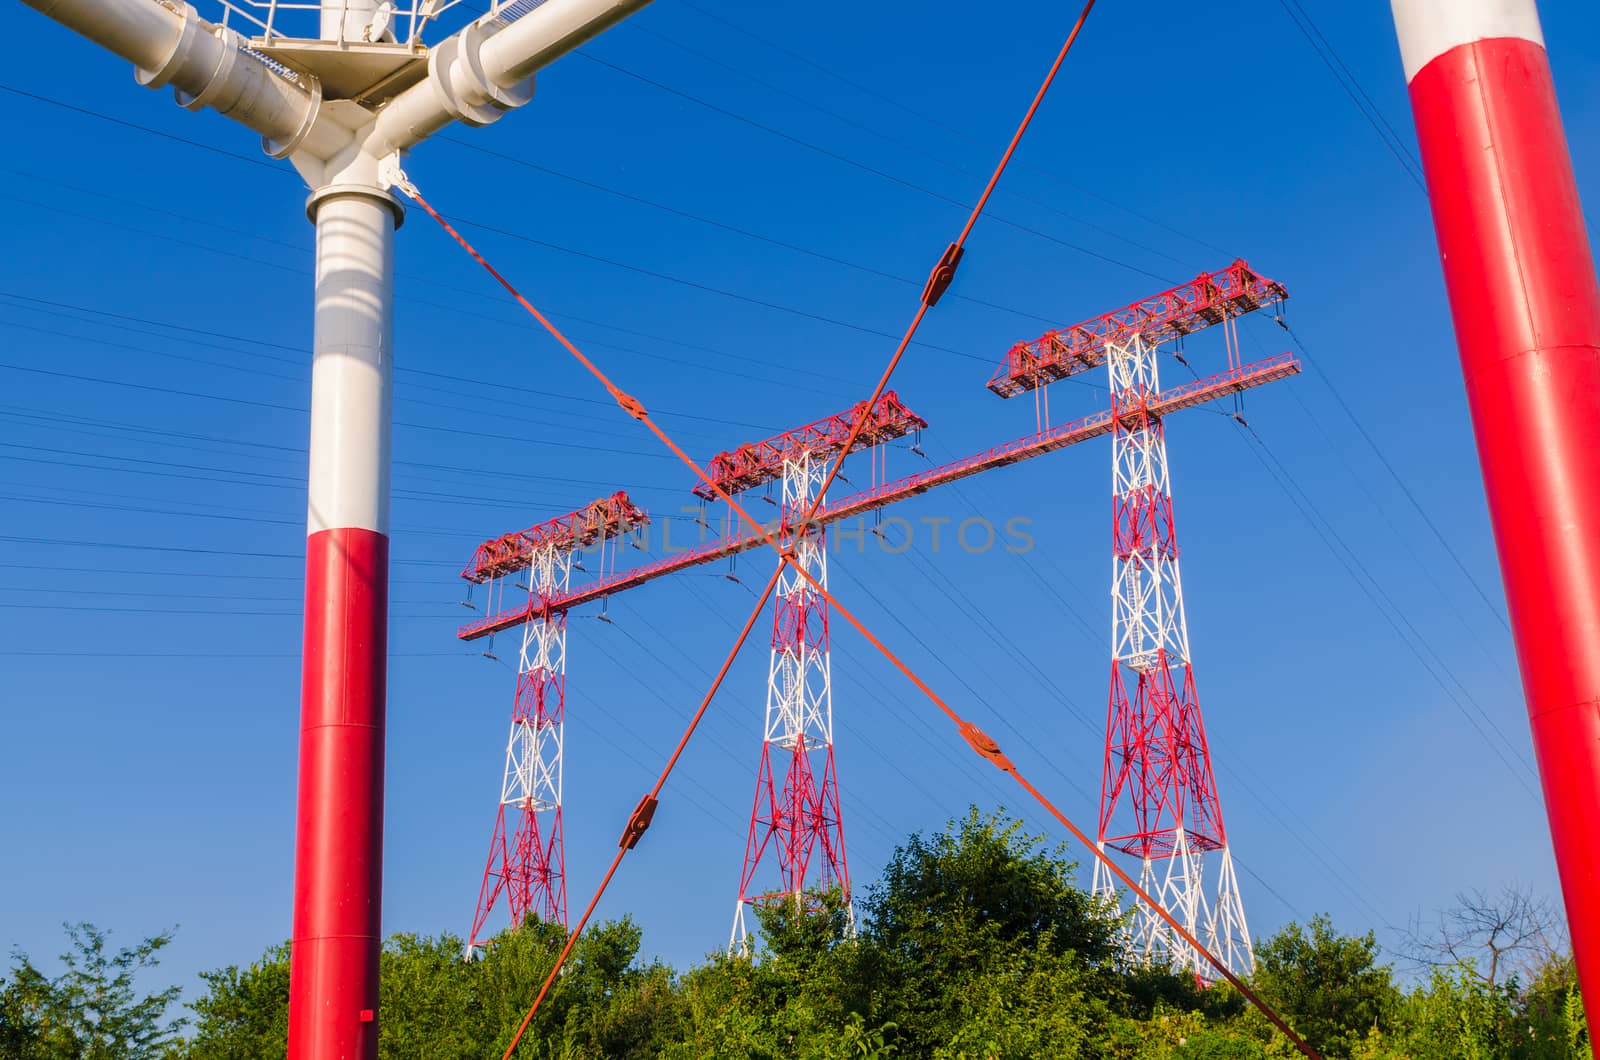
149 694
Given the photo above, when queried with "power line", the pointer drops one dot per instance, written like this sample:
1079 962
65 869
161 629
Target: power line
731 228
1377 451
856 668
186 550
899 143
485 391
54 423
865 168
934 121
254 160
1358 95
1375 593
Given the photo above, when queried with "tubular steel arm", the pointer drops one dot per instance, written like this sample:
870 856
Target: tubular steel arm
1047 441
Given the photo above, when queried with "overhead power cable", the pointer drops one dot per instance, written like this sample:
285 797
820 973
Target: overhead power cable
1391 613
1357 95
733 229
943 126
900 143
123 320
888 698
865 168
1377 451
186 440
254 160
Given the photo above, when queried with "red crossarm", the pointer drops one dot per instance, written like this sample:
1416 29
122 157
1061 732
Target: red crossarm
758 463
1209 298
596 521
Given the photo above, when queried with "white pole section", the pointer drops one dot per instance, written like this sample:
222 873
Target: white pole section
333 972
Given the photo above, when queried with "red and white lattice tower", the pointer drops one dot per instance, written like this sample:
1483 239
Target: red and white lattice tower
795 848
795 825
1158 799
1157 764
527 860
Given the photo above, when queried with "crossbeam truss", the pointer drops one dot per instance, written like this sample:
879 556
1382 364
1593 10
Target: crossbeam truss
597 521
796 837
1210 298
758 463
1097 425
1156 758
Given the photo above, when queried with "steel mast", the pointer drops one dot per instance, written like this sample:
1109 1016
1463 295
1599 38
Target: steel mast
1521 279
343 98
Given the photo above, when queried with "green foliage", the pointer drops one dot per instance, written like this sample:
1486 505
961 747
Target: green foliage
244 1013
93 1010
1330 987
975 945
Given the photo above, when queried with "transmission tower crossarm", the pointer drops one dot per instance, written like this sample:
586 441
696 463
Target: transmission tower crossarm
1186 396
758 463
1209 298
599 520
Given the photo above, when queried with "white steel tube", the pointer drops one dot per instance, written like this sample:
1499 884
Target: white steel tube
202 62
473 77
548 32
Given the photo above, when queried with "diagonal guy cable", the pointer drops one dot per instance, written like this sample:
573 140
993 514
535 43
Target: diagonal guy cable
938 282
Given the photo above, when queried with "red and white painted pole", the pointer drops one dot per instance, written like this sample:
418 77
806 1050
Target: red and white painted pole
333 976
1526 307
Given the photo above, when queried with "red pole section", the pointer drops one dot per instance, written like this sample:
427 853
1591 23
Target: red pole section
333 970
1527 320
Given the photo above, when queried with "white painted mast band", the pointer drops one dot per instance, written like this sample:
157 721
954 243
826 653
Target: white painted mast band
353 368
1429 28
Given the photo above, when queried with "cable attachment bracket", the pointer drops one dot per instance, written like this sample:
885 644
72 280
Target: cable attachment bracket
984 744
630 404
639 822
943 273
390 173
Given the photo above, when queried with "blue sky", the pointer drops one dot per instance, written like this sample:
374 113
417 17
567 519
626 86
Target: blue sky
154 303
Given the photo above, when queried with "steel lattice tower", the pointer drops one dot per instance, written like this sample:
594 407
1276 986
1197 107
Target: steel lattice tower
526 860
796 819
1156 759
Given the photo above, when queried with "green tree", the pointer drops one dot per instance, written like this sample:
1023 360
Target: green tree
20 1030
244 1012
1330 987
94 1009
967 921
